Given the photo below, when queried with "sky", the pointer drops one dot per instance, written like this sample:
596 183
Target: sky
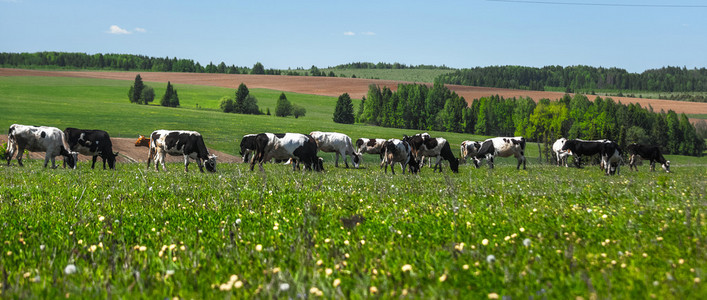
635 35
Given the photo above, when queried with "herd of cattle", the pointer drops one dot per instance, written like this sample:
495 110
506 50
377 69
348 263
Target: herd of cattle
409 152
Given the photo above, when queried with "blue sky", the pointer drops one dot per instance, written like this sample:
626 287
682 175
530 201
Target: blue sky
289 34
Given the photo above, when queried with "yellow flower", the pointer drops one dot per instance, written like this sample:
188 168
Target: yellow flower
101 218
443 278
406 268
328 271
337 282
485 242
493 296
258 247
373 290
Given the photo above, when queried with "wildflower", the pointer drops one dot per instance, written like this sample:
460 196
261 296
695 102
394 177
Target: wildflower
459 247
320 262
238 221
238 284
406 268
142 248
70 269
284 286
328 271
443 278
373 290
41 247
101 218
485 242
526 242
337 282
521 229
169 272
258 247
316 291
346 242
493 296
696 280
491 258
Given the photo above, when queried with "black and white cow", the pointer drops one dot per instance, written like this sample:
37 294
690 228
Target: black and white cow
50 140
425 146
338 143
651 153
580 148
611 157
92 143
248 146
469 149
503 147
189 144
397 151
560 155
302 148
371 146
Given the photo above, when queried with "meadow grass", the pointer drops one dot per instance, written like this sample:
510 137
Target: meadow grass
351 233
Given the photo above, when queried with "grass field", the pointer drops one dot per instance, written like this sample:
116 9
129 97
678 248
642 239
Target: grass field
546 232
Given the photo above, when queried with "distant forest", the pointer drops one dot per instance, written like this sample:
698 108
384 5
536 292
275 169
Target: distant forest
416 106
581 78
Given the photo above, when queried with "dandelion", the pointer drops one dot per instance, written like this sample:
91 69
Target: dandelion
491 258
238 284
443 278
406 268
142 248
485 242
258 247
284 286
328 271
320 262
101 218
493 296
70 269
604 216
465 267
459 247
346 242
526 242
336 282
521 229
696 280
363 242
373 290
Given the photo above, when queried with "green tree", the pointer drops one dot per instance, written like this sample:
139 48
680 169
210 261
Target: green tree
226 104
170 98
298 111
258 69
241 95
344 111
283 108
148 94
136 89
360 109
251 105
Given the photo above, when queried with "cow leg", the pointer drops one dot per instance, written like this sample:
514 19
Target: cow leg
12 149
490 160
94 162
200 163
438 164
346 161
652 165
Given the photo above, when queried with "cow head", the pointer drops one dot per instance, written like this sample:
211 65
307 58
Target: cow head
70 158
666 166
454 165
142 141
356 159
319 164
210 163
111 159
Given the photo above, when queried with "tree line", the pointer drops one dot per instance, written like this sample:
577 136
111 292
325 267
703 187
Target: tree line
124 62
417 106
581 78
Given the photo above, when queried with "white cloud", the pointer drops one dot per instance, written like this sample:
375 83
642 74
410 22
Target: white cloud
114 29
349 33
140 30
368 33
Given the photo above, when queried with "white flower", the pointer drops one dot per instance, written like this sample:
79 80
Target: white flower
406 267
169 272
485 242
70 269
284 286
526 242
490 258
238 221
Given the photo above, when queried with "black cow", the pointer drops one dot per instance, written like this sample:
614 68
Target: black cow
299 147
92 143
190 144
651 153
424 146
580 148
248 146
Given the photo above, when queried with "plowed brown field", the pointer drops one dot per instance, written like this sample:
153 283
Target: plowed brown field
335 86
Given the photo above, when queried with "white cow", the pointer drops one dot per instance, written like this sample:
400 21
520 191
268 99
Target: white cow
50 140
560 155
503 147
370 146
338 143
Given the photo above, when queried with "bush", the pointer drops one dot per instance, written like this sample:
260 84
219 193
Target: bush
298 111
227 105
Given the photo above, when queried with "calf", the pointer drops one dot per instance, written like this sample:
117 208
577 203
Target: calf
50 140
189 144
560 154
371 146
651 153
423 145
397 151
302 148
248 146
503 147
92 143
338 143
469 150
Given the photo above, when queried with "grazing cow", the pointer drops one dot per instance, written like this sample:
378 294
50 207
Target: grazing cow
50 140
503 147
651 153
611 157
302 148
580 148
560 154
248 146
397 151
92 143
423 145
469 149
142 141
189 144
371 146
338 143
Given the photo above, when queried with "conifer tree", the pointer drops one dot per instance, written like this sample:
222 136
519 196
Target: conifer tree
344 112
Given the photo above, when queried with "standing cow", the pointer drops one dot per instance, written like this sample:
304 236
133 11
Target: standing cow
370 146
580 148
611 157
92 143
468 150
425 146
189 144
651 153
338 143
397 151
503 147
50 140
302 148
560 154
248 146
